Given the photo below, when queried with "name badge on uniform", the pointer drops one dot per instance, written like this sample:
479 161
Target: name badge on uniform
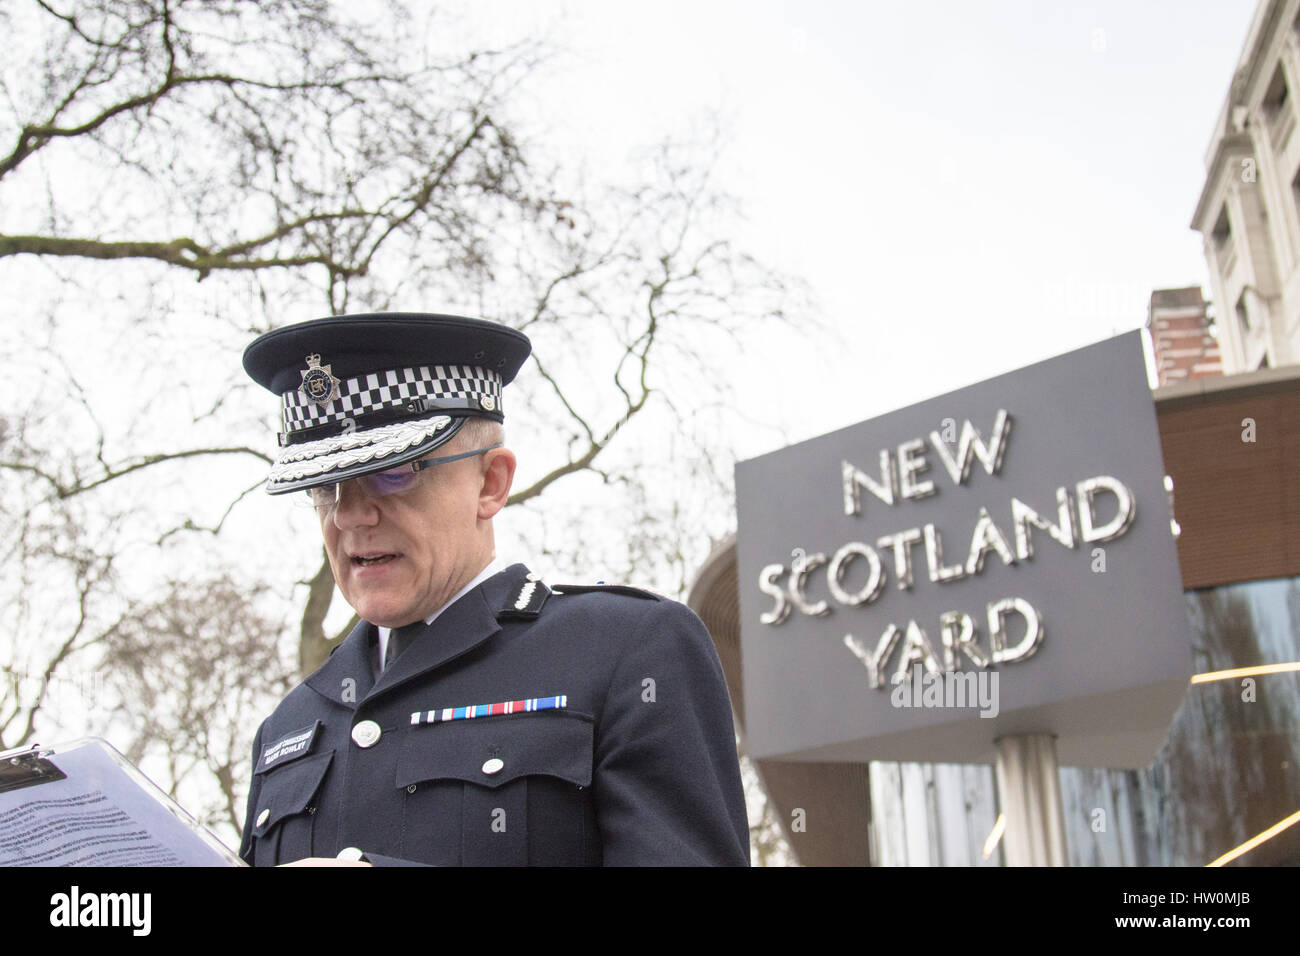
295 745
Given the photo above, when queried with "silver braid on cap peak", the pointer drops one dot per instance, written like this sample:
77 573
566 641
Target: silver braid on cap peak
337 452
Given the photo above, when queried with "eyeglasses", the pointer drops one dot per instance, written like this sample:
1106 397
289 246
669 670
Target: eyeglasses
394 481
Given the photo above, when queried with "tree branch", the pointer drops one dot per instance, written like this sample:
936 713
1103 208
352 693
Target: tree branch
32 138
66 649
421 199
185 253
595 446
63 491
313 646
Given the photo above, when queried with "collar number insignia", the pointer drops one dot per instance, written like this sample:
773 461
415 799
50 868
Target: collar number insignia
318 383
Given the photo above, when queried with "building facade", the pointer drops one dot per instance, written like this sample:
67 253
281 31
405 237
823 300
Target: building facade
1249 210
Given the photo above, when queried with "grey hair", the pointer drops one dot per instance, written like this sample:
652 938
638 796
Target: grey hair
479 433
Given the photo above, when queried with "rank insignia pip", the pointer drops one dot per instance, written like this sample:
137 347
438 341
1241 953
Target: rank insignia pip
318 383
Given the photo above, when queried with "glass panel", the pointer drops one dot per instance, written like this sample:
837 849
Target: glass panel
1229 769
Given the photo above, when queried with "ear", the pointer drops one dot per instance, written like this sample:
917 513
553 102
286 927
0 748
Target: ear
498 476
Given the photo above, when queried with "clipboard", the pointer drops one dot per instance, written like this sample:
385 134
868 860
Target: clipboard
84 804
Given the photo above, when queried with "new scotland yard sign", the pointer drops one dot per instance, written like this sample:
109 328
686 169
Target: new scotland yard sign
993 561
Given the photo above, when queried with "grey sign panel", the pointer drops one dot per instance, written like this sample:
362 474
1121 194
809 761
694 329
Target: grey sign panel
1031 515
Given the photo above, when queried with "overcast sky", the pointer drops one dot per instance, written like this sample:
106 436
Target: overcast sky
967 187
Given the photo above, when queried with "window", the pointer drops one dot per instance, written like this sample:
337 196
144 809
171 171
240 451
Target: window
1277 110
1295 190
1222 231
1276 96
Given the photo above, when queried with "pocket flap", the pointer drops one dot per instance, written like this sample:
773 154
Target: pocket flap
287 790
492 751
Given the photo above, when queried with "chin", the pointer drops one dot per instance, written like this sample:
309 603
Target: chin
386 616
375 609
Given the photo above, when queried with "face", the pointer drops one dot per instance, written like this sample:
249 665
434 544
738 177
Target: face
398 558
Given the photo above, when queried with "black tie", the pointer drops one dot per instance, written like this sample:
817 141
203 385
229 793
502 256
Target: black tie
400 638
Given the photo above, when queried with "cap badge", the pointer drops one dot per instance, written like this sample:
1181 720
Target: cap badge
318 383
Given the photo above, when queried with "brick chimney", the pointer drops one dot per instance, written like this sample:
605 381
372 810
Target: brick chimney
1179 324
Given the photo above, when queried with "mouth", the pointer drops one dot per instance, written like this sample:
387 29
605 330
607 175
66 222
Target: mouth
370 558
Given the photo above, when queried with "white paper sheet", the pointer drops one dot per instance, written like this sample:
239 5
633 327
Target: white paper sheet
104 814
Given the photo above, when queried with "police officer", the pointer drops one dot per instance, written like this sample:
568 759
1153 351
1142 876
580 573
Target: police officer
475 716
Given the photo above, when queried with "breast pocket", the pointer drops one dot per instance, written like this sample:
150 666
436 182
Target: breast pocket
499 791
285 812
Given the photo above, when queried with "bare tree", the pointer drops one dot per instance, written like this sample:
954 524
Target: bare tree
248 136
189 655
294 160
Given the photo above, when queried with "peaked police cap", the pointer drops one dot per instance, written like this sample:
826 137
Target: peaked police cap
365 393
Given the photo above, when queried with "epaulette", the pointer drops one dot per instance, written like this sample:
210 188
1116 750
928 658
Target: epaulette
611 588
525 603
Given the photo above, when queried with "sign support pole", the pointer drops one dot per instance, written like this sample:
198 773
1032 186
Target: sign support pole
1029 790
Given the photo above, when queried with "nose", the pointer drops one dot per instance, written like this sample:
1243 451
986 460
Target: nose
354 508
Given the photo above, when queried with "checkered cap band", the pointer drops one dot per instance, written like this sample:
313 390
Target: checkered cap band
318 458
390 389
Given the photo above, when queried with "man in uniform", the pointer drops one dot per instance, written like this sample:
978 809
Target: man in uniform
475 716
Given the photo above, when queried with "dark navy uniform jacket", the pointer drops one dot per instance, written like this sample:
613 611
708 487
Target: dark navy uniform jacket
638 767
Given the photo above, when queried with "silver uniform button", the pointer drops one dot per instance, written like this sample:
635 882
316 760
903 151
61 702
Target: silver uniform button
264 816
366 733
349 853
488 402
494 765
